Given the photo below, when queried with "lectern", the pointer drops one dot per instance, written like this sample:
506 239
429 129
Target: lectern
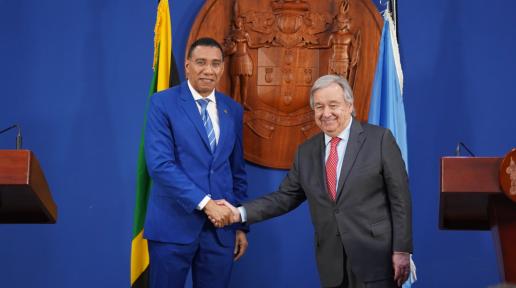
471 199
24 193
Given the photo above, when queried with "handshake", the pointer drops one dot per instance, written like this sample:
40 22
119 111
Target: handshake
221 213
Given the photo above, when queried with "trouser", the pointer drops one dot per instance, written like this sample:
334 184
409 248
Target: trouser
350 280
211 263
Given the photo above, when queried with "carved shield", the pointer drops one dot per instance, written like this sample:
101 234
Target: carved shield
275 50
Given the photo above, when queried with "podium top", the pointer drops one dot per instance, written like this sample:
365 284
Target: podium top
467 186
470 174
24 193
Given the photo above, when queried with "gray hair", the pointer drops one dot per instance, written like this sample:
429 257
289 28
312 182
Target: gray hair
327 80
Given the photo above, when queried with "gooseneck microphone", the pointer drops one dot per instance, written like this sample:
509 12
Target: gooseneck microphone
457 150
18 136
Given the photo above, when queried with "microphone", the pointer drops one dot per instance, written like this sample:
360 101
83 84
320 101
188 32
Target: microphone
457 150
18 136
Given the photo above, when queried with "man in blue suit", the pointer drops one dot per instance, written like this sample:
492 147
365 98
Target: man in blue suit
193 147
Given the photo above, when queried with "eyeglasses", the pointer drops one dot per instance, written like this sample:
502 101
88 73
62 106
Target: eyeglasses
203 64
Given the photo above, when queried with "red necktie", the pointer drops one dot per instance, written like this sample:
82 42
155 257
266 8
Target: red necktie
331 168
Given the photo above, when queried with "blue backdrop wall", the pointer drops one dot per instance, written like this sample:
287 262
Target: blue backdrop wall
75 75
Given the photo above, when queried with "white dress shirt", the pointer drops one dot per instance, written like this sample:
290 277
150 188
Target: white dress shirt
212 109
214 116
341 148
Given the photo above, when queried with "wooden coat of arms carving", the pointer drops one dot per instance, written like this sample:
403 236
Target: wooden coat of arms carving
275 50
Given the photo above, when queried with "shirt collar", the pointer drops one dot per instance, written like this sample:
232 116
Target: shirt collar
343 135
197 96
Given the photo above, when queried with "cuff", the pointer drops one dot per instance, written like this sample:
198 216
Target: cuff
243 214
203 202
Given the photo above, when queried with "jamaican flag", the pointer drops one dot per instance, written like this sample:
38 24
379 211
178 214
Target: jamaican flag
165 76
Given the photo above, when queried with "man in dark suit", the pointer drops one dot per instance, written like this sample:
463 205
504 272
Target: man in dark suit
193 147
355 181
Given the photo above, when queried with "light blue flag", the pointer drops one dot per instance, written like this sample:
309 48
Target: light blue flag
387 108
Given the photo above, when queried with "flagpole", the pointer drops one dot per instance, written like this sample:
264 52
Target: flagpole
393 7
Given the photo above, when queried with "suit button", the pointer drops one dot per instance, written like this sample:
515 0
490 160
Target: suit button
337 211
211 171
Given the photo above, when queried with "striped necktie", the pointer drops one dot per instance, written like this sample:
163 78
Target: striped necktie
331 168
208 126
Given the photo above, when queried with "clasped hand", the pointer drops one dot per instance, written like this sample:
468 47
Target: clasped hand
221 213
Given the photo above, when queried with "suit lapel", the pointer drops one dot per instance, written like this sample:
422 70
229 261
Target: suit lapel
225 124
190 108
356 139
319 153
320 165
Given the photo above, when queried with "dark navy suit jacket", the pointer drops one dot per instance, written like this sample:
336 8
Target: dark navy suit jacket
183 168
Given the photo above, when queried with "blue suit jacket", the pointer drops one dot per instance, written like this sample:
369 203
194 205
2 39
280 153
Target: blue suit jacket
183 168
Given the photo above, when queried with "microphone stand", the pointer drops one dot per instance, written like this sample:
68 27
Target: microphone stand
18 136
